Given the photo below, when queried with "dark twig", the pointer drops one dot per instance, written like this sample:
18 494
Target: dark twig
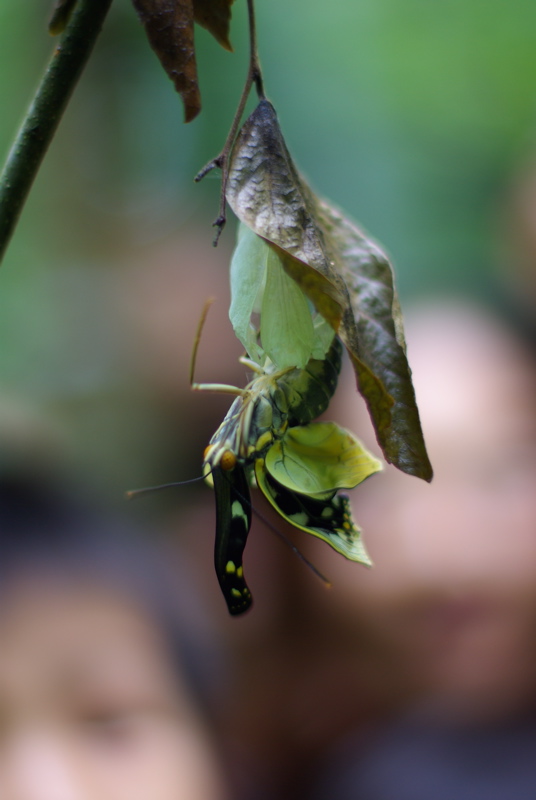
44 114
221 161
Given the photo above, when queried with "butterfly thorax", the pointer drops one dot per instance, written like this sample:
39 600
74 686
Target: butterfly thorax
255 419
271 402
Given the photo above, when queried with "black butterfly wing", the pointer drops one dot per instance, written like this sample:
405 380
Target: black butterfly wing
327 517
233 521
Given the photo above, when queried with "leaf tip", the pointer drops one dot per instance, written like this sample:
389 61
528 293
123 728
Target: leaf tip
417 467
428 474
191 99
191 111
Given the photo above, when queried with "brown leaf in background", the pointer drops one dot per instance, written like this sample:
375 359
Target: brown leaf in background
215 16
346 275
60 16
169 25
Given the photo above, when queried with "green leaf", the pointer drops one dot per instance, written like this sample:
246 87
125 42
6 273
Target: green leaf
344 273
318 458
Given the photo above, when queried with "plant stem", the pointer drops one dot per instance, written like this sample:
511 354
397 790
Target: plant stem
254 63
254 76
45 111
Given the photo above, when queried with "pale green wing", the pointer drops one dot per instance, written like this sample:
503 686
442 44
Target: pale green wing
320 457
248 273
287 331
323 337
260 284
329 519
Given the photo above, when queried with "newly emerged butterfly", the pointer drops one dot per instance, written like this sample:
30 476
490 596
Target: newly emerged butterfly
268 438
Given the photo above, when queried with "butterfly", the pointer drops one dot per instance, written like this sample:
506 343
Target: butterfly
269 439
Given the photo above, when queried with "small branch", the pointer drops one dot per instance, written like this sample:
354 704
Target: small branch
254 63
221 161
45 112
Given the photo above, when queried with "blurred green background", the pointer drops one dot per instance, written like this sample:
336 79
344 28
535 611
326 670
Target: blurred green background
416 117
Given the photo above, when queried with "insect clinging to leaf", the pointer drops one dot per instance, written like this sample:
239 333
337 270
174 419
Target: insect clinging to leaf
268 439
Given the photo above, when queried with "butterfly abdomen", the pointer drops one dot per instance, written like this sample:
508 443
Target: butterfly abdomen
233 521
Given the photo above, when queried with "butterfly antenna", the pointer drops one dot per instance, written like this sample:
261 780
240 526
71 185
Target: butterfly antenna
197 339
149 489
286 540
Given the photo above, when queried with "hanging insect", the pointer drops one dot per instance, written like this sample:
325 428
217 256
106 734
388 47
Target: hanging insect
268 439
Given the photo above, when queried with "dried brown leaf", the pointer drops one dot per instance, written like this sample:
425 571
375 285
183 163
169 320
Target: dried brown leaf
215 16
345 274
169 25
372 331
266 192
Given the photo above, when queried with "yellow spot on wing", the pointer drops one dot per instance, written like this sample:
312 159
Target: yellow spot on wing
230 567
237 510
300 518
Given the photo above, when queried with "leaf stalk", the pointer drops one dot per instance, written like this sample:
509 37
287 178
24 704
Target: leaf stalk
254 76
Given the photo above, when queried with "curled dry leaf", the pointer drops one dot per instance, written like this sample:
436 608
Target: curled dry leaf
215 16
344 273
267 194
169 25
61 14
372 331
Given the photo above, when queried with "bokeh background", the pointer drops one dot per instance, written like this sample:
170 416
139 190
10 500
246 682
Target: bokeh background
419 118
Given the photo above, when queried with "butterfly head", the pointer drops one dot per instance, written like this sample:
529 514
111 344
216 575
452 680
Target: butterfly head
228 460
218 455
